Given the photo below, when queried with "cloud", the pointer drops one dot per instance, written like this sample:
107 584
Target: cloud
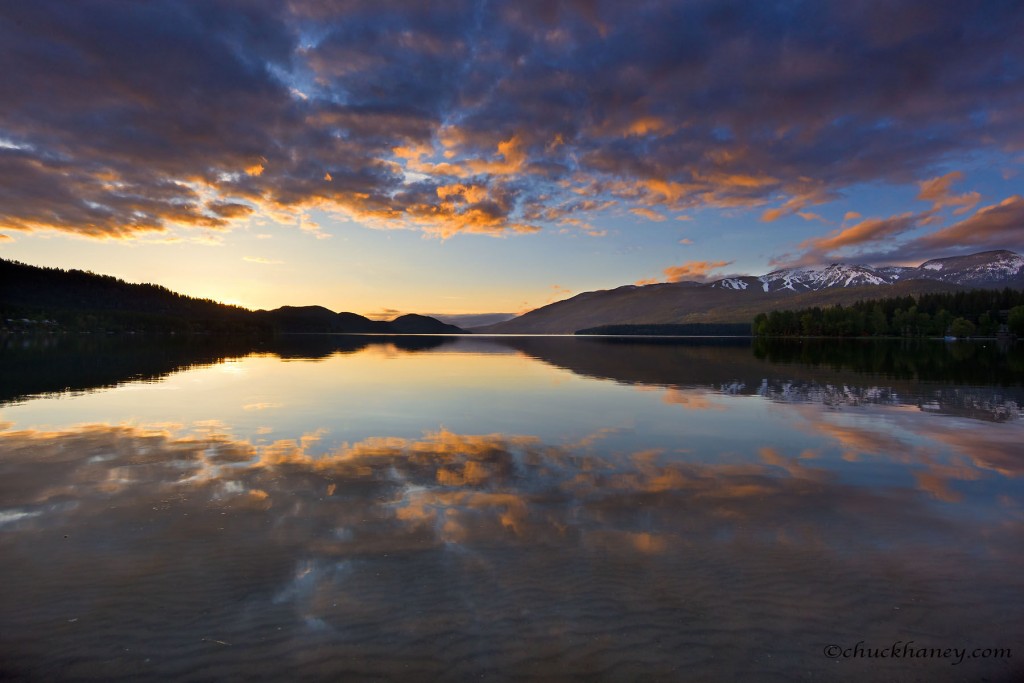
219 112
809 216
557 293
261 260
866 231
937 191
998 226
650 215
797 203
693 270
229 209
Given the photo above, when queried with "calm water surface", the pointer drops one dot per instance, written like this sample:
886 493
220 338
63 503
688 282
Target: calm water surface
339 508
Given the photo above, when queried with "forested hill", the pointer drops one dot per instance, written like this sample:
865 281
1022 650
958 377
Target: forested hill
40 298
53 288
33 298
981 312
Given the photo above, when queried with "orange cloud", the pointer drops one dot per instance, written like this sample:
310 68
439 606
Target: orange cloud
647 124
388 120
693 270
994 226
513 159
798 202
471 193
452 209
868 230
229 209
808 216
648 214
938 192
725 181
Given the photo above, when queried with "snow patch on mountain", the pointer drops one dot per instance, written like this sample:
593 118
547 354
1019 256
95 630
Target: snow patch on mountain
985 268
793 279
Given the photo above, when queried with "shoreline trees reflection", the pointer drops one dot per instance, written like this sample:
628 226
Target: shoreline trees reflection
978 379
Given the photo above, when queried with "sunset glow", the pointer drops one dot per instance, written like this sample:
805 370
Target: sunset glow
472 157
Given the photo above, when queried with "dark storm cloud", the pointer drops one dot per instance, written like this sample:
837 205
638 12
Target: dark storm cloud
484 117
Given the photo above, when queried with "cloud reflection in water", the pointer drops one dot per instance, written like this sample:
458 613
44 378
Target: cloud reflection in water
135 551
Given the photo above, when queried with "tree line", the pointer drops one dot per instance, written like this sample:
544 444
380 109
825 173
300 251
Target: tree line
979 312
36 299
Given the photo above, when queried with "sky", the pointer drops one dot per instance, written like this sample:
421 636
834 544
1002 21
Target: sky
481 156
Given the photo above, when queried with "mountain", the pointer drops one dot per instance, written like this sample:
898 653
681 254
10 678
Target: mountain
467 320
320 319
34 298
410 323
316 319
985 269
739 299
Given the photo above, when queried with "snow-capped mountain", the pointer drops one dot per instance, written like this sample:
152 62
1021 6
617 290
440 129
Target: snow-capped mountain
988 267
983 269
835 275
739 298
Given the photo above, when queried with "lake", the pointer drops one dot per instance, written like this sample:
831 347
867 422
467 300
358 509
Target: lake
521 508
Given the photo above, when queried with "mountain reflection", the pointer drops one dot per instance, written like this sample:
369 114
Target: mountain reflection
56 364
988 382
978 381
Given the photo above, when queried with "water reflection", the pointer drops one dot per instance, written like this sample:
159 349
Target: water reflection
984 381
981 380
499 509
47 365
130 550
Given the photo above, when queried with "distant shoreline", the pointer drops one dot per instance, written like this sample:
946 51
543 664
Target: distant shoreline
670 330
